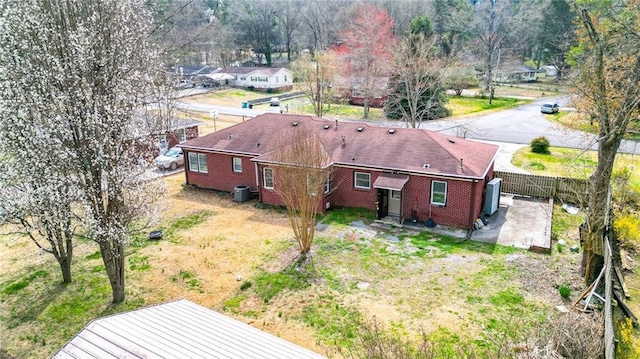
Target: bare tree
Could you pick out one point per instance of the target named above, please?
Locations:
(303, 168)
(495, 29)
(81, 69)
(316, 77)
(416, 87)
(319, 19)
(289, 22)
(256, 25)
(609, 63)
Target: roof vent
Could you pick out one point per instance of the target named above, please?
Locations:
(258, 145)
(452, 141)
(392, 131)
(326, 127)
(425, 166)
(229, 137)
(343, 142)
(294, 124)
(360, 129)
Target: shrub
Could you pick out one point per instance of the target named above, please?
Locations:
(269, 90)
(565, 291)
(250, 87)
(540, 145)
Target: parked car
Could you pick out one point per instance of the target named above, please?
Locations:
(274, 101)
(170, 159)
(185, 84)
(550, 108)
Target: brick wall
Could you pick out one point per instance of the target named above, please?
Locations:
(220, 174)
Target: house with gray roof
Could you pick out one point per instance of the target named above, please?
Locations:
(404, 173)
(260, 78)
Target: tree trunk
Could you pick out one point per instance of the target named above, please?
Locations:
(598, 208)
(113, 257)
(65, 266)
(366, 108)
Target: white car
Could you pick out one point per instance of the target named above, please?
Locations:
(274, 101)
(171, 159)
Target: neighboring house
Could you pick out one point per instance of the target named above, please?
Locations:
(400, 172)
(517, 75)
(260, 78)
(190, 72)
(180, 329)
(155, 138)
(550, 71)
(352, 90)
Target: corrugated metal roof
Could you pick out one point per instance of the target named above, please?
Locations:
(180, 329)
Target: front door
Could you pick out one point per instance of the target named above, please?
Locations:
(394, 203)
(383, 203)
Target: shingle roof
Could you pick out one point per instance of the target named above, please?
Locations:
(365, 145)
(247, 70)
(179, 329)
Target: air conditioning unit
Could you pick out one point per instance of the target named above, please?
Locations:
(327, 205)
(492, 196)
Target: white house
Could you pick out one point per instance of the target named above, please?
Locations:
(260, 78)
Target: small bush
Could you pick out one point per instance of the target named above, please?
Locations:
(245, 285)
(269, 90)
(540, 145)
(565, 291)
(250, 87)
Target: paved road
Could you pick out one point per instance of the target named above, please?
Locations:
(520, 125)
(226, 110)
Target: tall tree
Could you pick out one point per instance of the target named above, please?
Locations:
(450, 19)
(367, 50)
(303, 167)
(556, 35)
(316, 77)
(416, 88)
(495, 29)
(256, 24)
(289, 20)
(94, 68)
(318, 18)
(608, 60)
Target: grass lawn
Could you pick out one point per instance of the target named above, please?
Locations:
(568, 162)
(582, 122)
(461, 292)
(467, 105)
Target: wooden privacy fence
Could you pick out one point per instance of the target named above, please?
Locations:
(572, 190)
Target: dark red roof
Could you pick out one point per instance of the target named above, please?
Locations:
(365, 145)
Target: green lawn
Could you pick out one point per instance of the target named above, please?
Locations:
(575, 163)
(468, 105)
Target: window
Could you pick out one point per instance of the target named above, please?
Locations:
(285, 78)
(439, 193)
(262, 79)
(243, 78)
(327, 184)
(396, 194)
(198, 162)
(182, 135)
(254, 79)
(362, 180)
(237, 164)
(267, 178)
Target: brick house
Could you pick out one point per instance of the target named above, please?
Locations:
(399, 172)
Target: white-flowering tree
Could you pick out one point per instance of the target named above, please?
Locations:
(73, 78)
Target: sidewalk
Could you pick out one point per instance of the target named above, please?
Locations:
(504, 155)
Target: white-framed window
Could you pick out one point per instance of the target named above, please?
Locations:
(396, 194)
(237, 164)
(267, 178)
(198, 162)
(285, 78)
(253, 79)
(263, 79)
(242, 78)
(362, 180)
(438, 193)
(327, 185)
(182, 135)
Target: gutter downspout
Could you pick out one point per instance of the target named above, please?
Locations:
(258, 181)
(472, 209)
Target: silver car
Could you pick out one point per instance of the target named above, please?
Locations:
(550, 108)
(171, 159)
